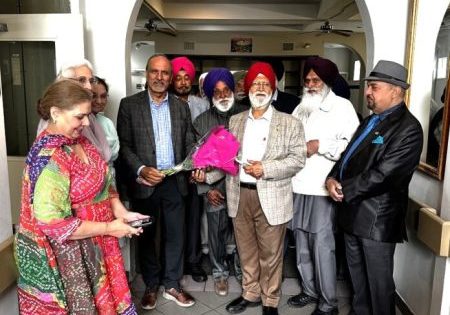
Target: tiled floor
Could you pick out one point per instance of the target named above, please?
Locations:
(208, 303)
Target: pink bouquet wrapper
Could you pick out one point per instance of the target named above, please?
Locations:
(219, 150)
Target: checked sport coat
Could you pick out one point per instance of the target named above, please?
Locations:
(284, 156)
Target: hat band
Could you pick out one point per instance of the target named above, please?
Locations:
(383, 76)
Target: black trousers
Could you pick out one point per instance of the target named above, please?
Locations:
(194, 210)
(371, 266)
(166, 205)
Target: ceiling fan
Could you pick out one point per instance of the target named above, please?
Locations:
(327, 28)
(152, 26)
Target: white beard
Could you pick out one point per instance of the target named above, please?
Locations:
(258, 101)
(310, 102)
(223, 104)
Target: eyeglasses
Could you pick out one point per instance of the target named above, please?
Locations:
(313, 81)
(83, 80)
(222, 93)
(261, 84)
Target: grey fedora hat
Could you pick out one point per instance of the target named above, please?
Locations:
(390, 72)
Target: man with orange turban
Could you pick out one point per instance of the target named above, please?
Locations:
(183, 76)
(259, 197)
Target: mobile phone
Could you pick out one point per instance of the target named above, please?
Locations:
(339, 191)
(241, 162)
(141, 222)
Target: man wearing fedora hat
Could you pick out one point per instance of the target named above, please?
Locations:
(370, 183)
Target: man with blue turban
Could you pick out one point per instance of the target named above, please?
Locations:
(219, 88)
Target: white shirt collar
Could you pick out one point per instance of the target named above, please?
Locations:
(274, 95)
(267, 114)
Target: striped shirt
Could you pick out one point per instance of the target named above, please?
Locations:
(162, 130)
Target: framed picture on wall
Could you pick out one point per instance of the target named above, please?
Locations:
(241, 45)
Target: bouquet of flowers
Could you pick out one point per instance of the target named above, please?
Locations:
(217, 148)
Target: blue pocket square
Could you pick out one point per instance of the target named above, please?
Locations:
(378, 140)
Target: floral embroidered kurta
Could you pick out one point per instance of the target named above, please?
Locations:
(58, 275)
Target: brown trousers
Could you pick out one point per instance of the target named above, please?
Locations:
(260, 247)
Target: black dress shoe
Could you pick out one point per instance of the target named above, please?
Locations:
(239, 305)
(301, 300)
(197, 273)
(268, 310)
(334, 311)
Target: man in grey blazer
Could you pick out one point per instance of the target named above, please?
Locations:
(259, 198)
(155, 132)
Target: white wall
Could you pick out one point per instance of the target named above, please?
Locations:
(341, 56)
(5, 209)
(429, 19)
(8, 300)
(66, 30)
(108, 33)
(385, 25)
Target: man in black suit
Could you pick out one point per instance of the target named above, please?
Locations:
(370, 182)
(155, 132)
(282, 101)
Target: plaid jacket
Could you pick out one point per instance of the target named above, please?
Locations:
(285, 155)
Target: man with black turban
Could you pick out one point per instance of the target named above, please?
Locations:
(329, 123)
(219, 88)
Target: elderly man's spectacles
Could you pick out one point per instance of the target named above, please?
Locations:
(259, 85)
(83, 80)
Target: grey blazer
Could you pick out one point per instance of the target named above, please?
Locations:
(285, 155)
(137, 140)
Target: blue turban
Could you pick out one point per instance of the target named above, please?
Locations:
(215, 75)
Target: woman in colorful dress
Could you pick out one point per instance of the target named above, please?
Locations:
(66, 247)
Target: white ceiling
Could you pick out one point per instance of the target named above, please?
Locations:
(250, 16)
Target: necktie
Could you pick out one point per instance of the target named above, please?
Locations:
(374, 120)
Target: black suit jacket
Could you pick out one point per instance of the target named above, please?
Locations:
(285, 102)
(137, 140)
(376, 179)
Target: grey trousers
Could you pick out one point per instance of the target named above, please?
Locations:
(218, 233)
(317, 266)
(371, 266)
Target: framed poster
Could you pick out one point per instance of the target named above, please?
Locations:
(241, 45)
